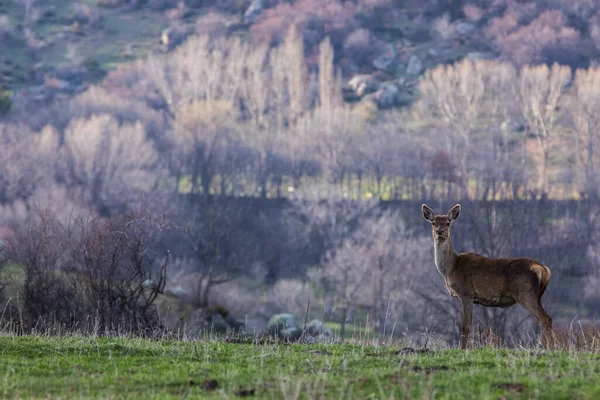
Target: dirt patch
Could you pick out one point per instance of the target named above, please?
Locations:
(393, 378)
(513, 387)
(243, 392)
(210, 384)
(410, 350)
(376, 354)
(430, 370)
(324, 352)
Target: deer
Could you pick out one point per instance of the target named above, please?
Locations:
(490, 282)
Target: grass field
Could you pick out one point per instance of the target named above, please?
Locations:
(76, 367)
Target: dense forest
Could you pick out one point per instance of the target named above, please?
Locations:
(243, 155)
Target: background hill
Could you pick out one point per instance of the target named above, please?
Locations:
(61, 46)
(272, 143)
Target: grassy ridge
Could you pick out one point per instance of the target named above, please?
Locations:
(134, 368)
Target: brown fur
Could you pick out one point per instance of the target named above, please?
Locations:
(491, 282)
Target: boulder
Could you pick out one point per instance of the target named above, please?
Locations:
(234, 324)
(316, 328)
(253, 11)
(216, 322)
(464, 28)
(385, 97)
(387, 59)
(477, 55)
(317, 332)
(363, 84)
(415, 65)
(284, 327)
(173, 36)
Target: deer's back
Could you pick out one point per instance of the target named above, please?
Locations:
(496, 282)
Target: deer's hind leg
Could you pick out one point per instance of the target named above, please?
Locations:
(533, 304)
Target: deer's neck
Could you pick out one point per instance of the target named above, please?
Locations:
(444, 257)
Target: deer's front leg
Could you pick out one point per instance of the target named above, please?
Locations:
(467, 319)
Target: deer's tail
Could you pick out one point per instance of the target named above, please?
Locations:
(544, 280)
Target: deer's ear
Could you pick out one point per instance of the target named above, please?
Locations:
(428, 213)
(454, 213)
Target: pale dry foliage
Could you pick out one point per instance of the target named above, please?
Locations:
(315, 20)
(215, 24)
(453, 95)
(107, 161)
(332, 136)
(584, 112)
(444, 28)
(27, 161)
(526, 44)
(288, 295)
(374, 268)
(473, 13)
(540, 90)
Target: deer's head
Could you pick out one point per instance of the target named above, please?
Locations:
(440, 224)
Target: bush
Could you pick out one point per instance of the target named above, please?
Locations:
(361, 46)
(214, 24)
(315, 19)
(444, 28)
(89, 273)
(7, 30)
(5, 101)
(538, 41)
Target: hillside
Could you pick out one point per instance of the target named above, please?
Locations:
(57, 48)
(173, 122)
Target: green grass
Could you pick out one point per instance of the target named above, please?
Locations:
(75, 367)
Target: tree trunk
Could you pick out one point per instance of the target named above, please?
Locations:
(359, 185)
(343, 323)
(206, 181)
(206, 292)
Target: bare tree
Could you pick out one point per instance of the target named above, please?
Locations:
(330, 83)
(333, 137)
(500, 159)
(89, 269)
(109, 163)
(118, 263)
(452, 96)
(540, 91)
(347, 275)
(393, 254)
(27, 161)
(221, 248)
(202, 132)
(584, 113)
(200, 70)
(330, 218)
(277, 94)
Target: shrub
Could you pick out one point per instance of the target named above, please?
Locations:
(315, 19)
(214, 24)
(444, 28)
(594, 24)
(89, 273)
(361, 46)
(7, 29)
(473, 13)
(530, 43)
(5, 101)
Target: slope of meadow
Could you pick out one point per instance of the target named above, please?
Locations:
(76, 367)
